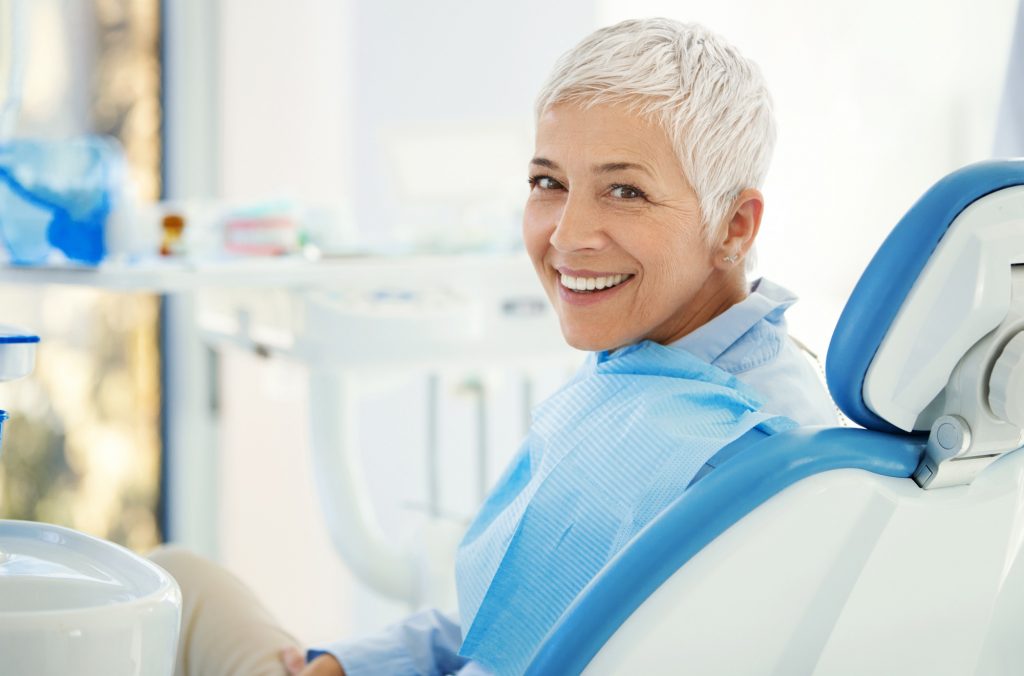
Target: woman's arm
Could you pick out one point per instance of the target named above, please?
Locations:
(424, 643)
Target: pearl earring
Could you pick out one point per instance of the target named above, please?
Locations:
(731, 259)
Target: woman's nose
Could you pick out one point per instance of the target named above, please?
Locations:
(577, 229)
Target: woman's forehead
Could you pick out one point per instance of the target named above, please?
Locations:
(602, 138)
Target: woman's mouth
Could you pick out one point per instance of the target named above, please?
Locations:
(591, 288)
(589, 284)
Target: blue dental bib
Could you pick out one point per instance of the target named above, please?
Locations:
(605, 454)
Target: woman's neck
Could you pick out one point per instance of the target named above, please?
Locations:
(712, 300)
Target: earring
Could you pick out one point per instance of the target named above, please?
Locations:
(731, 259)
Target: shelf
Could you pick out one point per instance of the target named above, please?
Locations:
(173, 276)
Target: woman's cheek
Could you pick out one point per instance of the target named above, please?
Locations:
(539, 221)
(535, 239)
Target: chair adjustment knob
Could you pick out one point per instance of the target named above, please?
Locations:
(1006, 384)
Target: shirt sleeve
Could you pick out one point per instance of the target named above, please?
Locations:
(424, 644)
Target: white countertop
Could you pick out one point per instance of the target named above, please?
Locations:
(176, 275)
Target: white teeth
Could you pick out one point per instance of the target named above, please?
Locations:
(592, 283)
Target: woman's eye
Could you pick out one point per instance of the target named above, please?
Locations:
(626, 192)
(544, 183)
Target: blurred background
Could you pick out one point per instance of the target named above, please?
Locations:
(85, 437)
(404, 128)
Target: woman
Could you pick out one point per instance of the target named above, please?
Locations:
(653, 138)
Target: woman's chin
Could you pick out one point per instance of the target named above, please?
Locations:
(590, 341)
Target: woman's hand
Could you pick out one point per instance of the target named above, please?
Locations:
(324, 665)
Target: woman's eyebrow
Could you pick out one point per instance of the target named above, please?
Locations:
(544, 162)
(606, 168)
(609, 167)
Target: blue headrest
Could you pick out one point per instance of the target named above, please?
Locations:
(891, 274)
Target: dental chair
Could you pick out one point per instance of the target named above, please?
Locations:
(893, 549)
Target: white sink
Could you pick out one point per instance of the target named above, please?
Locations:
(74, 604)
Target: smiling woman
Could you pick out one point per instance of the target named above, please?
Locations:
(653, 139)
(616, 235)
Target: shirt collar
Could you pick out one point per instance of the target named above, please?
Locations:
(766, 300)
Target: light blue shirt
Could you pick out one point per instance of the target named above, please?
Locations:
(749, 341)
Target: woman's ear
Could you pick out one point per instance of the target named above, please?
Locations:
(741, 228)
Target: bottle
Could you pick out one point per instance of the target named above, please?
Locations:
(55, 197)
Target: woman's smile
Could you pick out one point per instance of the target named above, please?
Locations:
(587, 287)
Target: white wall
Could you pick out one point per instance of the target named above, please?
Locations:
(443, 114)
(286, 101)
(410, 120)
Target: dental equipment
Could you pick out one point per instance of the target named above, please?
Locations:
(75, 604)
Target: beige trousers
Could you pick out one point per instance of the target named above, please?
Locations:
(225, 630)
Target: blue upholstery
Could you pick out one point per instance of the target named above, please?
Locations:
(891, 274)
(702, 513)
(725, 454)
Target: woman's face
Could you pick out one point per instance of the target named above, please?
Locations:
(613, 229)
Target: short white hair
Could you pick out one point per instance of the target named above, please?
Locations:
(712, 101)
